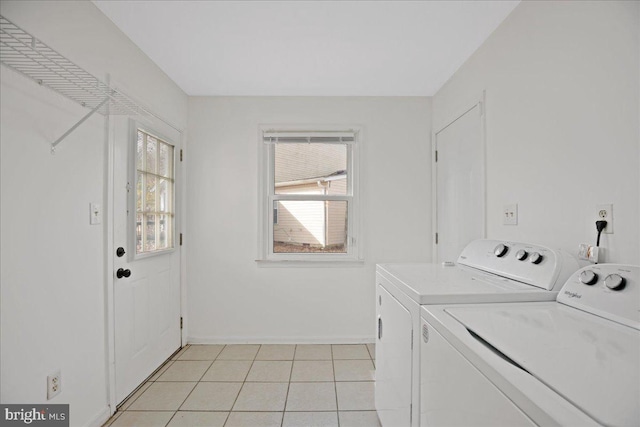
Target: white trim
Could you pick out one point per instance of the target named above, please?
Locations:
(181, 227)
(265, 255)
(316, 263)
(311, 197)
(100, 418)
(481, 103)
(110, 326)
(358, 339)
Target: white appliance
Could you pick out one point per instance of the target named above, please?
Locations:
(574, 362)
(486, 271)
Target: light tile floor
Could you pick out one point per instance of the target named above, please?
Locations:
(328, 385)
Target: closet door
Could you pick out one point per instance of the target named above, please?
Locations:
(460, 184)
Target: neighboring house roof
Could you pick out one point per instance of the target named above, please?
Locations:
(341, 174)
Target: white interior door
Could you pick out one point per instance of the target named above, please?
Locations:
(146, 282)
(460, 188)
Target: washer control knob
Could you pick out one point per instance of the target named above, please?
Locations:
(588, 277)
(500, 250)
(521, 255)
(535, 258)
(615, 282)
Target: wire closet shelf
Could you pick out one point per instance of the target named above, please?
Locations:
(29, 56)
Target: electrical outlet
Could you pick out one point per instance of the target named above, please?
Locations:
(54, 384)
(605, 212)
(510, 214)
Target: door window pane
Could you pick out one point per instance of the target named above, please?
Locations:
(150, 196)
(150, 233)
(163, 238)
(164, 199)
(139, 247)
(165, 160)
(152, 154)
(140, 150)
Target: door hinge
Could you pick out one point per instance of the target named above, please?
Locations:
(436, 156)
(181, 322)
(181, 154)
(410, 413)
(436, 239)
(180, 239)
(412, 339)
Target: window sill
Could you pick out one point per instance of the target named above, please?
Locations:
(268, 263)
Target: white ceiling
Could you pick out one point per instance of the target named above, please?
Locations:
(314, 48)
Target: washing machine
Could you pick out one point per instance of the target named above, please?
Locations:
(570, 362)
(487, 271)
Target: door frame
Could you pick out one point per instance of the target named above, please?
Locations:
(480, 102)
(108, 218)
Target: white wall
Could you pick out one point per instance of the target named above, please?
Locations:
(53, 262)
(562, 122)
(230, 297)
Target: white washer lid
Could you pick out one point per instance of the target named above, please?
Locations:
(437, 284)
(591, 362)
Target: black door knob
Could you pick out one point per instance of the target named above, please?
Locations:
(120, 252)
(123, 273)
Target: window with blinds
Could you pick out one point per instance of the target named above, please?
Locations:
(309, 198)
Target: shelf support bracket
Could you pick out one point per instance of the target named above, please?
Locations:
(74, 127)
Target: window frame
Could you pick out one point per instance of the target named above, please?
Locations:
(267, 197)
(134, 127)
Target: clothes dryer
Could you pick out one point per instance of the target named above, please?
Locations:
(571, 362)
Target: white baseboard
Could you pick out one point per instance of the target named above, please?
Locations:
(281, 340)
(101, 418)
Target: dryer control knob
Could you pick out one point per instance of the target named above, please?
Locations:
(500, 250)
(536, 258)
(521, 255)
(588, 277)
(615, 282)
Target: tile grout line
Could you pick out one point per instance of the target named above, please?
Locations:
(168, 362)
(335, 385)
(198, 382)
(242, 386)
(194, 387)
(286, 399)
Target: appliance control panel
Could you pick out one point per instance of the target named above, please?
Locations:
(611, 291)
(525, 262)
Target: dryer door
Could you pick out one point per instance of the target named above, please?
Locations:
(393, 361)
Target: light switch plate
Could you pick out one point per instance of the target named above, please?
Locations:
(510, 214)
(95, 212)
